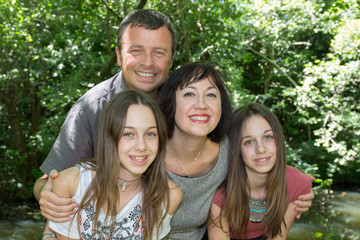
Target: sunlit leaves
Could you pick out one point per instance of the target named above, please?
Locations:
(329, 96)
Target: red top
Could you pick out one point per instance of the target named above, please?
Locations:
(298, 184)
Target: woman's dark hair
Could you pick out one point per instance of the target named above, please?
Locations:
(181, 78)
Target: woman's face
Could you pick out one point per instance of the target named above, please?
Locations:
(198, 108)
(138, 143)
(258, 146)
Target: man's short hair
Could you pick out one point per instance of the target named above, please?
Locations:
(148, 19)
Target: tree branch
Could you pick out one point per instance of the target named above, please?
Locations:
(105, 70)
(274, 63)
(112, 11)
(141, 4)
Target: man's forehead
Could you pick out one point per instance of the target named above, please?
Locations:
(160, 37)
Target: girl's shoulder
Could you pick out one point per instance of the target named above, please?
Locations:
(294, 173)
(66, 184)
(298, 183)
(175, 196)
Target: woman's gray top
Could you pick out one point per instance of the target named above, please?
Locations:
(190, 219)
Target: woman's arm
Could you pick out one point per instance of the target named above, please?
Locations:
(215, 232)
(175, 196)
(289, 217)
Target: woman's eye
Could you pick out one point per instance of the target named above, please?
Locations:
(188, 94)
(212, 95)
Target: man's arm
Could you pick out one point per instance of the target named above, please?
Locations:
(53, 207)
(304, 202)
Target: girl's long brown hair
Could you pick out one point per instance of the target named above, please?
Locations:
(104, 188)
(236, 202)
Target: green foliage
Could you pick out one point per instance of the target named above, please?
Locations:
(328, 98)
(331, 235)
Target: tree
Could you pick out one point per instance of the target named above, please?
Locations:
(328, 100)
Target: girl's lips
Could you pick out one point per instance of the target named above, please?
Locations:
(200, 118)
(139, 160)
(262, 161)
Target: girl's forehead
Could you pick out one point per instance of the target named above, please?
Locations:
(255, 124)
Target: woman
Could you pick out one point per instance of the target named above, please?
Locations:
(123, 193)
(198, 114)
(257, 199)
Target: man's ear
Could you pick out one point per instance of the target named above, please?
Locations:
(172, 59)
(118, 56)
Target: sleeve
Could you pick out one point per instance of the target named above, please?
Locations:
(219, 197)
(298, 183)
(164, 228)
(67, 229)
(74, 143)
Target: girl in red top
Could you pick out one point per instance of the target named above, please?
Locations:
(256, 200)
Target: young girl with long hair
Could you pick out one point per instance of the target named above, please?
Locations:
(256, 200)
(123, 193)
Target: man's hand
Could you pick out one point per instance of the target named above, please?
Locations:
(303, 203)
(53, 207)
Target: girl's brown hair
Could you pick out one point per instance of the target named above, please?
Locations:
(236, 201)
(104, 188)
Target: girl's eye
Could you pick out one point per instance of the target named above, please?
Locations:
(128, 134)
(268, 137)
(248, 142)
(151, 134)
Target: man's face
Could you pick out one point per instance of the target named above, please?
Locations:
(145, 57)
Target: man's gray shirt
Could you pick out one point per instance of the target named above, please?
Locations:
(78, 136)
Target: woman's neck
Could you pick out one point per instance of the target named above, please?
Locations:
(186, 148)
(190, 156)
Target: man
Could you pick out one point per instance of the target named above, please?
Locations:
(145, 51)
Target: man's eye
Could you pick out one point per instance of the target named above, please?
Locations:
(159, 53)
